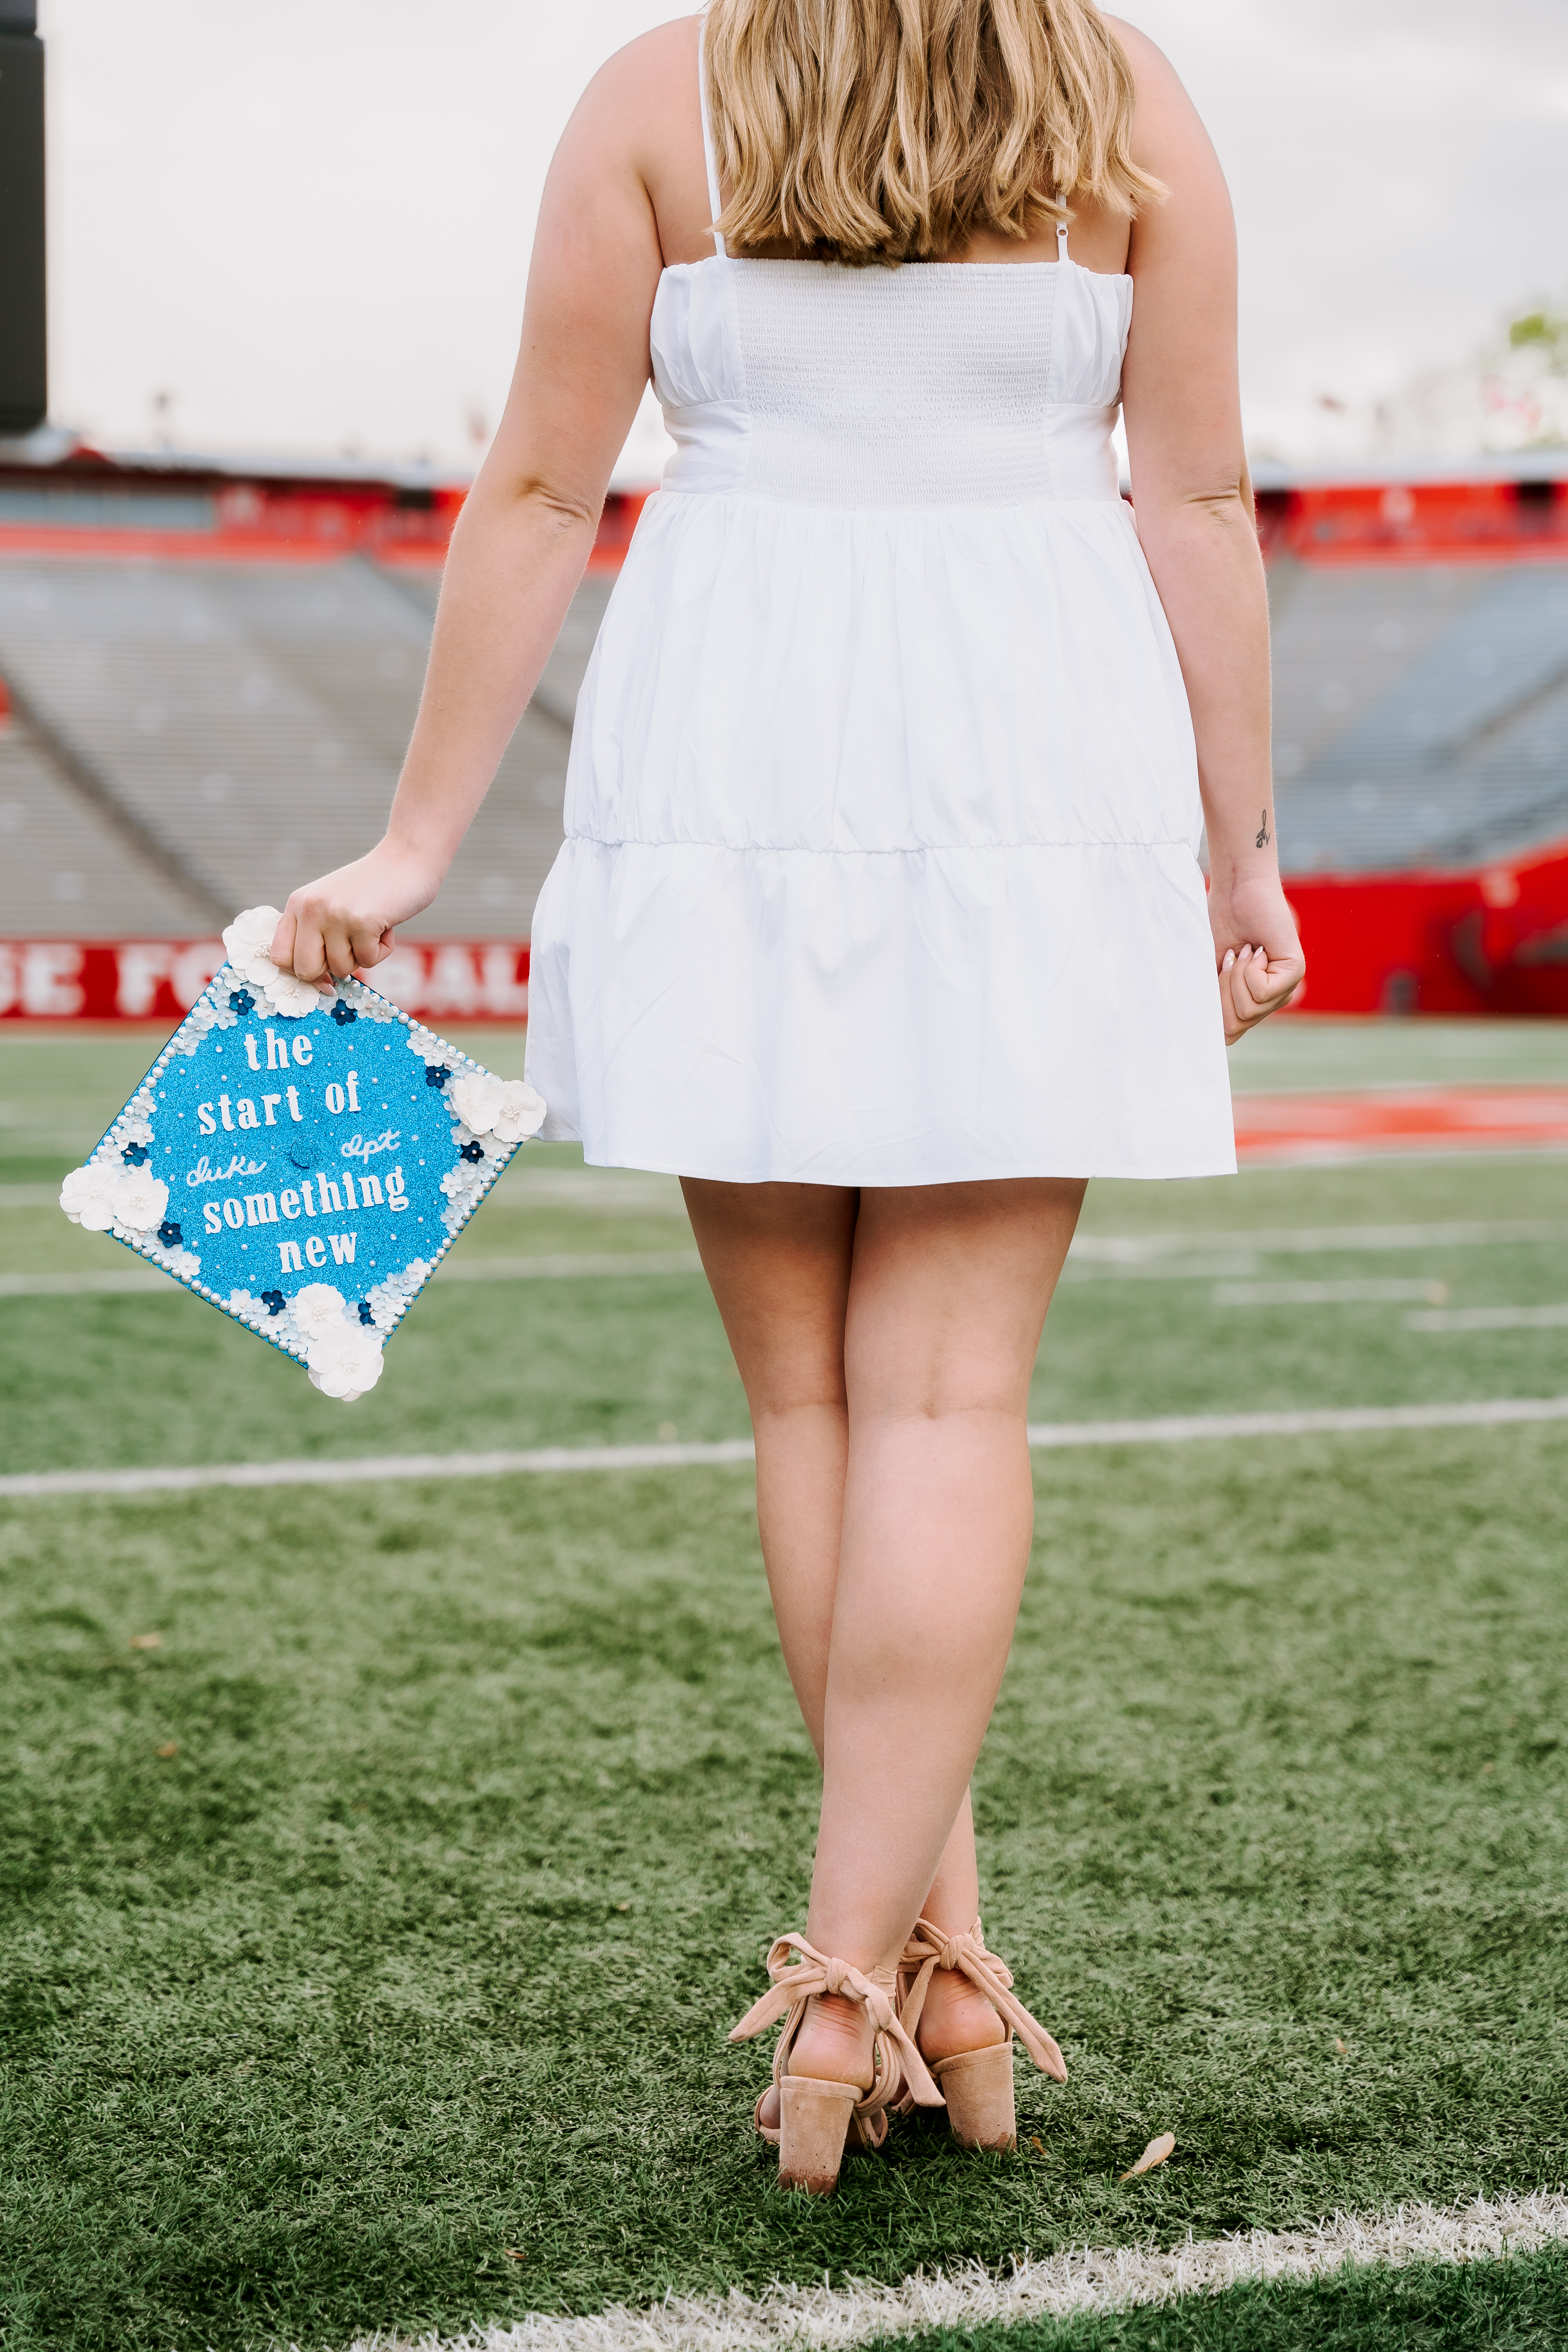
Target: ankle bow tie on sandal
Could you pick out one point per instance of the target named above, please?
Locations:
(977, 2085)
(815, 2117)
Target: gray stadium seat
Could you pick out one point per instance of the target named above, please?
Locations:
(251, 718)
(244, 723)
(1421, 713)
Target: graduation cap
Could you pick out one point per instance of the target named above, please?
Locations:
(303, 1161)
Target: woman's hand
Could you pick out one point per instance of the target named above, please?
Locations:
(1257, 952)
(349, 919)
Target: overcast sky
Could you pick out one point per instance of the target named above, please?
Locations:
(308, 221)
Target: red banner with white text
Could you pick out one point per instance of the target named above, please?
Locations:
(160, 980)
(1493, 941)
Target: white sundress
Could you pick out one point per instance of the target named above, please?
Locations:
(882, 815)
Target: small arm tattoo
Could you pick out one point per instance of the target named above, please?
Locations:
(1262, 841)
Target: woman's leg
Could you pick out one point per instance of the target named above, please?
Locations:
(948, 1293)
(780, 1258)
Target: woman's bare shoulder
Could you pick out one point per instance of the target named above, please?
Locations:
(1165, 122)
(644, 77)
(640, 112)
(1149, 62)
(637, 128)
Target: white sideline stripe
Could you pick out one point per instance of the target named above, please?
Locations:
(1090, 2279)
(1046, 1436)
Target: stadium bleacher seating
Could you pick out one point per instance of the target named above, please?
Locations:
(1421, 712)
(201, 719)
(242, 725)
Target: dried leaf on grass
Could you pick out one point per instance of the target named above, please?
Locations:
(170, 1748)
(146, 1640)
(1036, 2142)
(1155, 2153)
(514, 2254)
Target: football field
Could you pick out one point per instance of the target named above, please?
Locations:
(383, 1857)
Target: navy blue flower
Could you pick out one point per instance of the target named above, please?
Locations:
(242, 1000)
(169, 1234)
(342, 1014)
(436, 1074)
(273, 1300)
(365, 1316)
(134, 1154)
(474, 1151)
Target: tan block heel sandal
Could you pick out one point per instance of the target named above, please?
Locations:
(817, 2119)
(977, 2085)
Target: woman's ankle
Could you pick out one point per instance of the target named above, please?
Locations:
(835, 2041)
(956, 2018)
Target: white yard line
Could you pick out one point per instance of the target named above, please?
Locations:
(606, 1264)
(542, 1269)
(1136, 1249)
(1328, 1294)
(1093, 2279)
(1044, 1437)
(1161, 1254)
(83, 1286)
(1490, 1318)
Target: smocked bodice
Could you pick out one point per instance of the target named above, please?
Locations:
(933, 385)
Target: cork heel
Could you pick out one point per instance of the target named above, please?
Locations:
(978, 2088)
(977, 2085)
(815, 2122)
(816, 2118)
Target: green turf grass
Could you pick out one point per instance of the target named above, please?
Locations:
(1517, 2305)
(304, 2024)
(597, 1360)
(486, 1799)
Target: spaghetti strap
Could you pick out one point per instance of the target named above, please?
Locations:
(708, 155)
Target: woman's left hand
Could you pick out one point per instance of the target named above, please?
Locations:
(1257, 952)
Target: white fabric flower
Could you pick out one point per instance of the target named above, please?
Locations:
(140, 1200)
(427, 1045)
(248, 938)
(134, 1128)
(86, 1196)
(507, 1108)
(521, 1112)
(318, 1309)
(286, 995)
(476, 1100)
(345, 1361)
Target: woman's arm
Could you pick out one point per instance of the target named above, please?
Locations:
(523, 537)
(1193, 500)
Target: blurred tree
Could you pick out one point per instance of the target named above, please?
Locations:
(1544, 334)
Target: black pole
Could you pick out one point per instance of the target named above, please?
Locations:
(23, 358)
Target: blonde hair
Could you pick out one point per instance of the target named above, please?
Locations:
(888, 131)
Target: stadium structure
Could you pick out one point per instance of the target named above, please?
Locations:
(208, 673)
